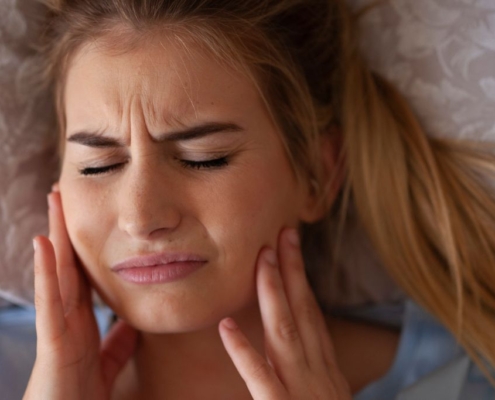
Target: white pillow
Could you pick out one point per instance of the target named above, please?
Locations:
(27, 150)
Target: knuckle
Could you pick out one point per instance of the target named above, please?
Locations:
(38, 301)
(241, 346)
(261, 371)
(44, 301)
(287, 330)
(321, 388)
(52, 347)
(309, 313)
(38, 270)
(70, 303)
(273, 283)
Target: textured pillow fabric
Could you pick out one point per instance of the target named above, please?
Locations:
(441, 55)
(27, 149)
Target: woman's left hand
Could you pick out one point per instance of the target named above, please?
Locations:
(300, 360)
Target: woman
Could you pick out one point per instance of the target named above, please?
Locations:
(196, 137)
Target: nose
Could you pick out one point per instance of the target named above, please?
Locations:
(147, 205)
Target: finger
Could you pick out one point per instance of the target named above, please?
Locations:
(328, 349)
(282, 338)
(310, 320)
(50, 321)
(117, 347)
(259, 376)
(70, 279)
(55, 187)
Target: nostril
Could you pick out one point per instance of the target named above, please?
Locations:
(147, 200)
(142, 224)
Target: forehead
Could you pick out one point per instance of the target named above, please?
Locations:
(170, 79)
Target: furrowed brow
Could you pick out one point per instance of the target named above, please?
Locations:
(98, 140)
(199, 131)
(93, 139)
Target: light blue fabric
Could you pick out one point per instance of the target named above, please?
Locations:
(426, 360)
(18, 347)
(17, 351)
(444, 383)
(429, 363)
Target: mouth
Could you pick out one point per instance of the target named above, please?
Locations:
(158, 268)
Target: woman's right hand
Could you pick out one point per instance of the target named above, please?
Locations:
(70, 363)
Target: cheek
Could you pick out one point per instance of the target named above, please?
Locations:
(251, 211)
(86, 219)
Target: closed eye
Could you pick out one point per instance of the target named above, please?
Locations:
(215, 163)
(206, 164)
(99, 170)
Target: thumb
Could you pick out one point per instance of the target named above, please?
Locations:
(117, 347)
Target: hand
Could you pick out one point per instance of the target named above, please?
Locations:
(69, 361)
(301, 362)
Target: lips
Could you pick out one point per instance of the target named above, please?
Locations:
(158, 268)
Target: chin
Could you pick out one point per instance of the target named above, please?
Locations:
(161, 315)
(165, 322)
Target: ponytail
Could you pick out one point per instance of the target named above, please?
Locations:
(427, 206)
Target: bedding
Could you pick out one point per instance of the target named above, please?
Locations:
(27, 149)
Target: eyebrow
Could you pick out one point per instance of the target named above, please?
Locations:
(96, 139)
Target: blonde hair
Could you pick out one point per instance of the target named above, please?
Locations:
(426, 204)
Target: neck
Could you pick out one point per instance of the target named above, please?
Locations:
(193, 365)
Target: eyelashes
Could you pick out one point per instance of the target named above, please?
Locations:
(215, 163)
(99, 170)
(189, 164)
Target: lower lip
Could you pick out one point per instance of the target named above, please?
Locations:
(159, 273)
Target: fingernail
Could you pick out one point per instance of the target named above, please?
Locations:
(229, 323)
(35, 245)
(270, 256)
(293, 237)
(55, 187)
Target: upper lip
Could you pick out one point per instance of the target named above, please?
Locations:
(156, 259)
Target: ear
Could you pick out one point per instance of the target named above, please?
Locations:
(318, 202)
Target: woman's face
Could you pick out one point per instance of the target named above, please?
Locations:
(135, 112)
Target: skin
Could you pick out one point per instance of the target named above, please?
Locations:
(151, 202)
